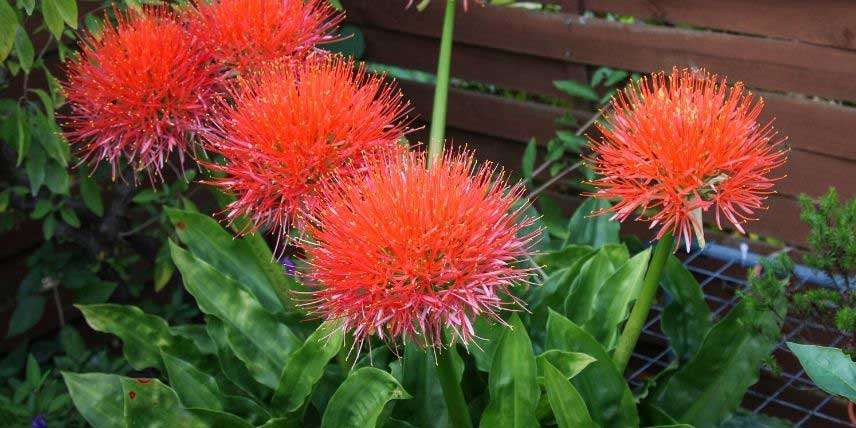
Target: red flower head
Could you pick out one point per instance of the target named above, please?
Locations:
(403, 251)
(289, 128)
(138, 91)
(246, 34)
(676, 146)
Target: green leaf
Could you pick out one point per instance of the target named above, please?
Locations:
(576, 89)
(98, 397)
(164, 268)
(72, 343)
(306, 366)
(602, 387)
(56, 178)
(255, 333)
(33, 372)
(829, 368)
(512, 383)
(8, 28)
(35, 167)
(68, 11)
(28, 311)
(150, 403)
(586, 229)
(579, 303)
(230, 364)
(686, 319)
(23, 48)
(53, 18)
(361, 398)
(240, 259)
(613, 297)
(711, 385)
(69, 216)
(490, 331)
(427, 408)
(91, 194)
(569, 364)
(616, 77)
(194, 387)
(49, 227)
(528, 164)
(29, 6)
(145, 196)
(567, 404)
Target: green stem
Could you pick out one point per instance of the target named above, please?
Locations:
(441, 90)
(452, 393)
(639, 314)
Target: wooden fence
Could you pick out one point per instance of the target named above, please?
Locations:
(801, 57)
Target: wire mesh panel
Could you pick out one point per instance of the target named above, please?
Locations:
(785, 392)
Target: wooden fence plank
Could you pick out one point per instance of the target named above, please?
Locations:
(814, 126)
(500, 117)
(764, 63)
(826, 22)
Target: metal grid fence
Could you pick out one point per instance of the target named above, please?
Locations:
(787, 394)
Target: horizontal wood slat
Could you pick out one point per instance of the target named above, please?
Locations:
(765, 63)
(824, 22)
(814, 126)
(500, 117)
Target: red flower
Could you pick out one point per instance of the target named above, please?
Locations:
(403, 251)
(138, 91)
(288, 129)
(246, 34)
(676, 146)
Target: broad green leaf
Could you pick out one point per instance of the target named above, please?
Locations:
(91, 195)
(69, 216)
(28, 311)
(528, 164)
(609, 400)
(23, 48)
(8, 27)
(567, 404)
(711, 385)
(163, 269)
(568, 363)
(576, 89)
(686, 319)
(292, 422)
(613, 299)
(361, 398)
(585, 228)
(488, 333)
(579, 303)
(35, 167)
(98, 398)
(240, 259)
(427, 408)
(142, 334)
(68, 11)
(250, 329)
(56, 178)
(230, 364)
(512, 383)
(150, 403)
(306, 367)
(194, 388)
(829, 368)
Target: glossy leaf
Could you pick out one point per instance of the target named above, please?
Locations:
(142, 335)
(829, 368)
(528, 164)
(686, 318)
(585, 228)
(255, 335)
(576, 89)
(512, 383)
(361, 398)
(8, 25)
(163, 268)
(579, 303)
(233, 368)
(194, 388)
(23, 47)
(235, 258)
(602, 387)
(150, 403)
(98, 397)
(28, 311)
(613, 299)
(91, 195)
(427, 408)
(569, 364)
(567, 404)
(306, 367)
(711, 385)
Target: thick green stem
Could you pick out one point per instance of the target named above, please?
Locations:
(441, 91)
(639, 314)
(459, 415)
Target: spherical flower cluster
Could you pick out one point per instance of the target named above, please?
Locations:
(676, 146)
(246, 34)
(139, 90)
(289, 129)
(403, 251)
